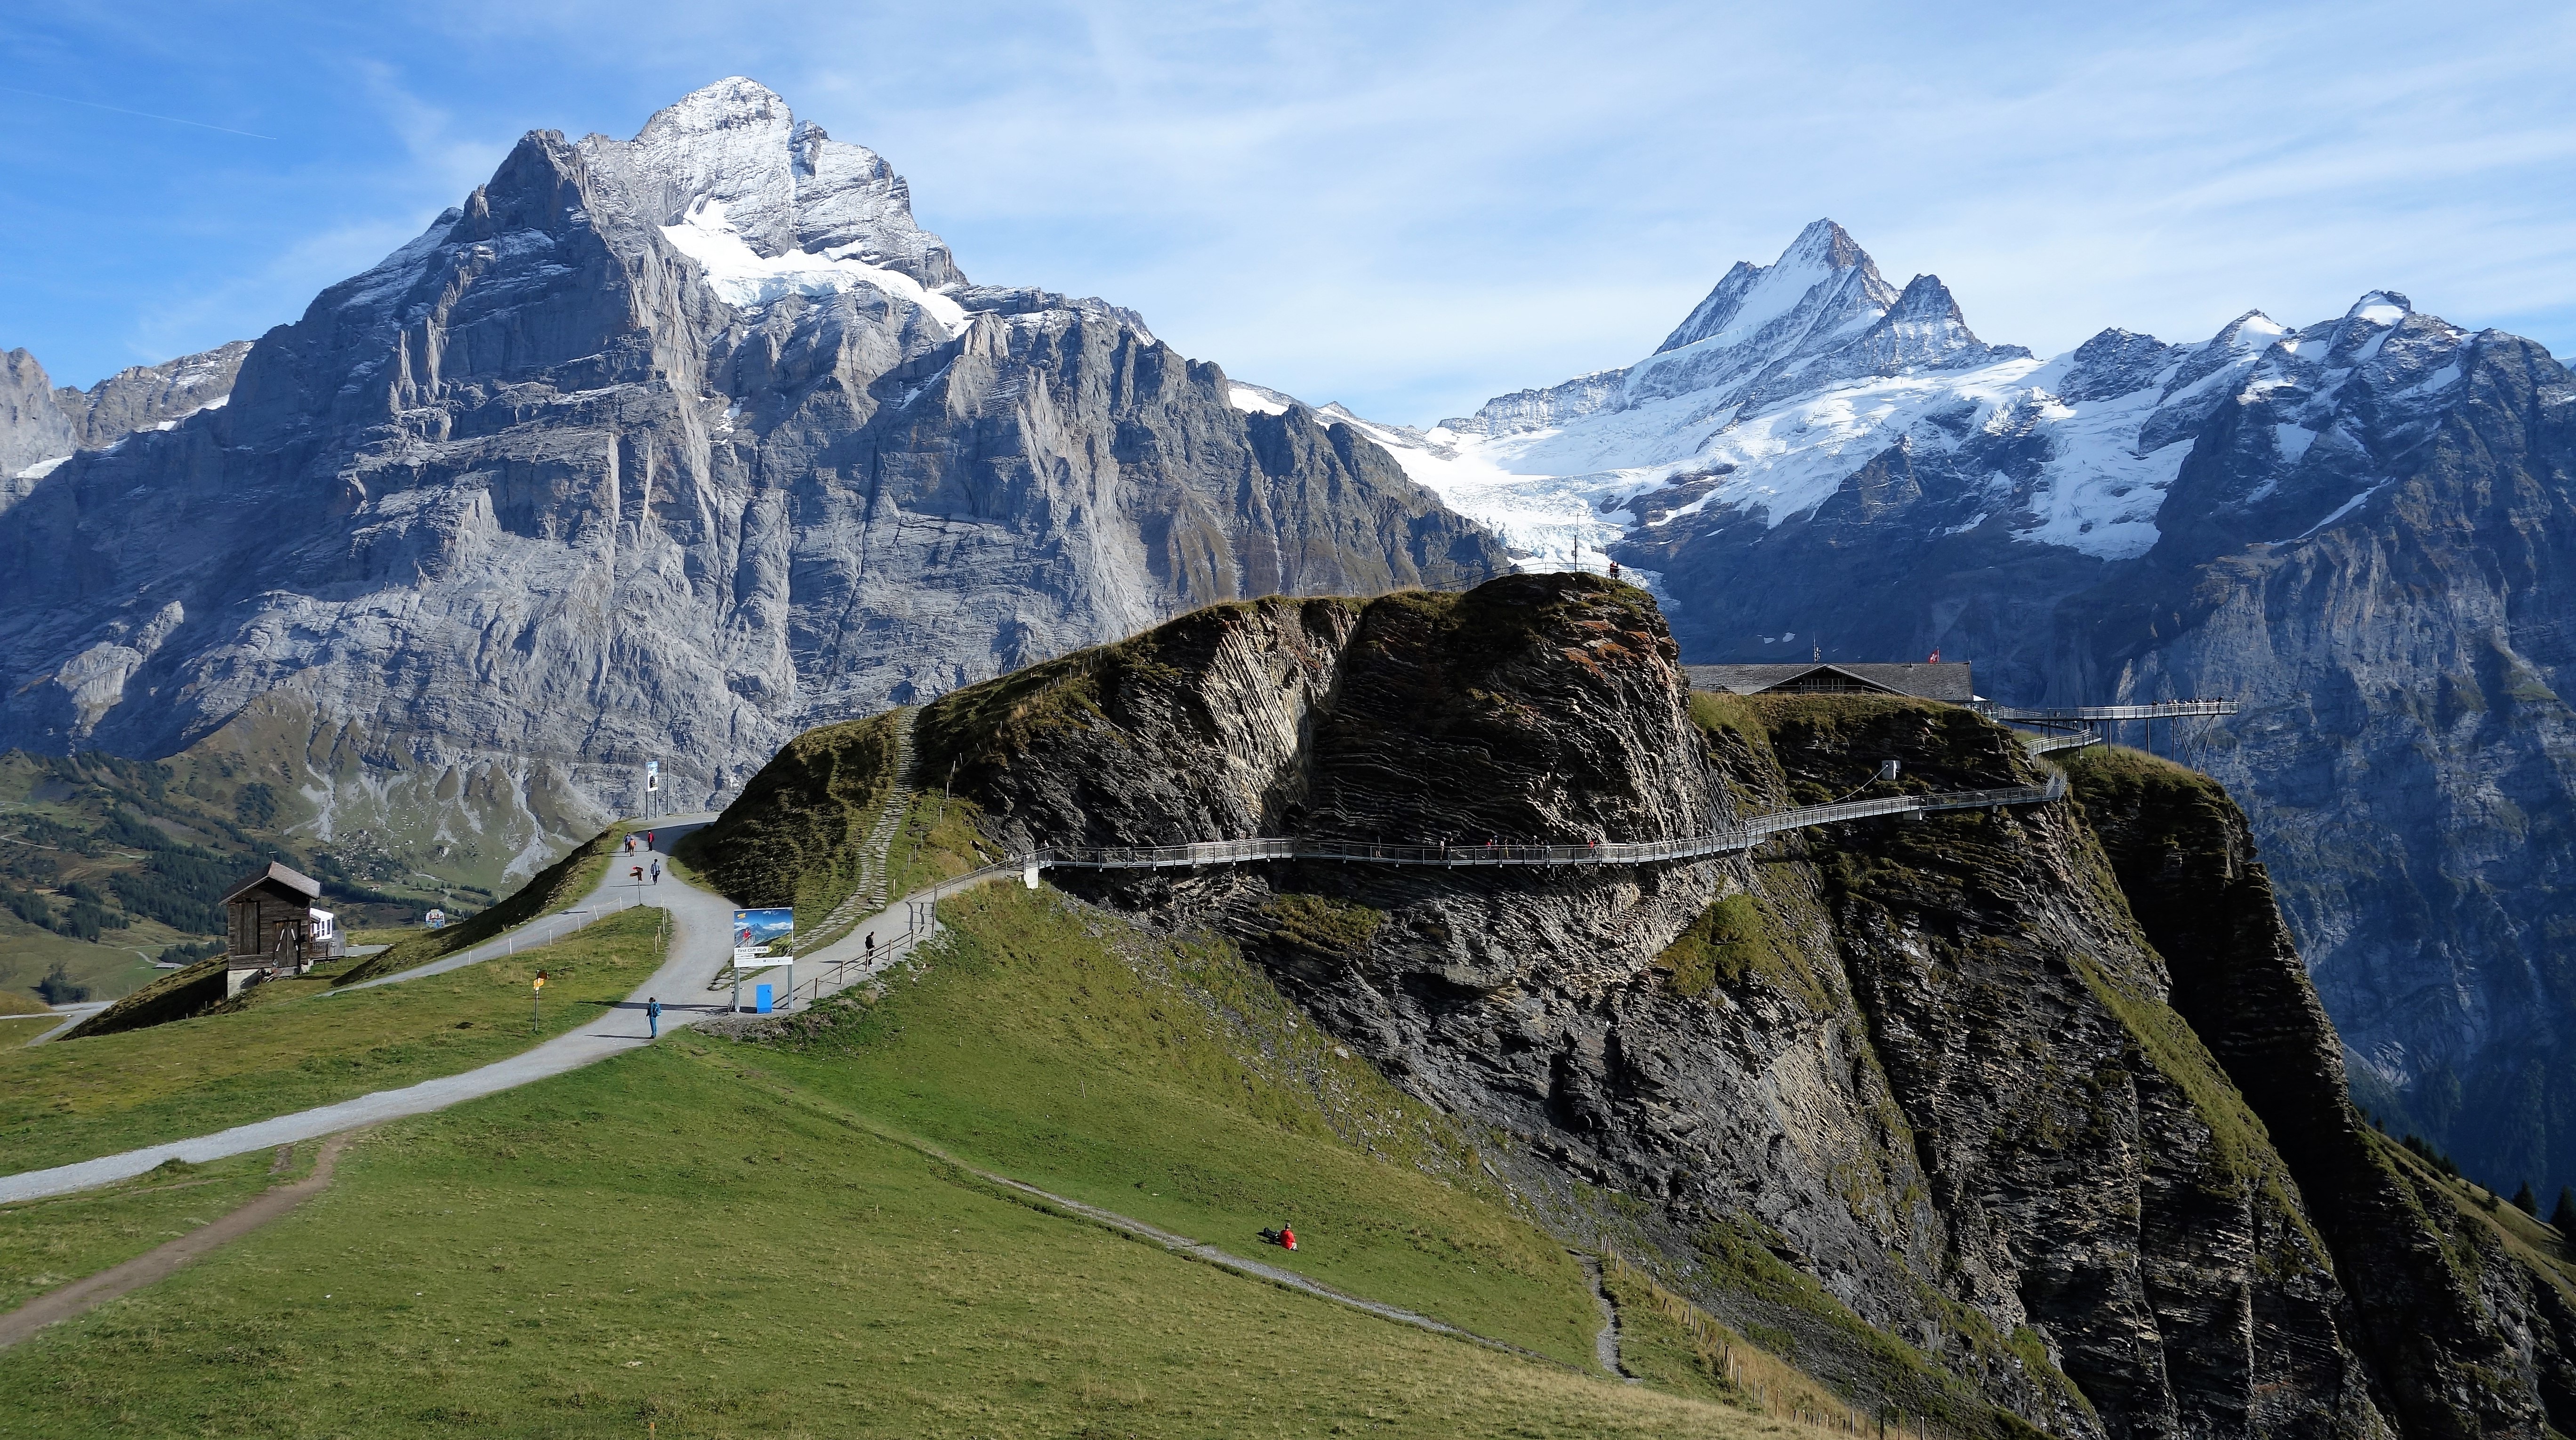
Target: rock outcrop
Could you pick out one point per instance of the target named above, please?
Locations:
(2465, 1337)
(659, 448)
(2357, 527)
(33, 428)
(2016, 1118)
(42, 425)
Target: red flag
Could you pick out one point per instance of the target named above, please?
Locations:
(1935, 660)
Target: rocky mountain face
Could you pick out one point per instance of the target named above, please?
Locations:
(2356, 527)
(659, 448)
(2016, 1118)
(42, 425)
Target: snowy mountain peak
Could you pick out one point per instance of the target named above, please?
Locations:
(1820, 313)
(2248, 333)
(1925, 300)
(1751, 297)
(784, 187)
(2115, 362)
(1824, 243)
(2381, 307)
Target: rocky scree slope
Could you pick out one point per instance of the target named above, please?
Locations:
(665, 447)
(1930, 1105)
(2358, 528)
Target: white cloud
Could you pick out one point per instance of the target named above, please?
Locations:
(1412, 208)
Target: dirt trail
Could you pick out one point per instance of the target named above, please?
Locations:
(1605, 1346)
(82, 1296)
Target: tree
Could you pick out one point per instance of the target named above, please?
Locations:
(58, 988)
(2526, 1202)
(2564, 1217)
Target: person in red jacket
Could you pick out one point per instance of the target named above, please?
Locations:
(1287, 1238)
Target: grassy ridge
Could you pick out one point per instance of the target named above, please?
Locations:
(174, 996)
(75, 1099)
(792, 836)
(552, 888)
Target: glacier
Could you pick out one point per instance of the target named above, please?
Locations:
(1789, 378)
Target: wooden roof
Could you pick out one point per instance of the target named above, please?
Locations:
(1948, 681)
(275, 874)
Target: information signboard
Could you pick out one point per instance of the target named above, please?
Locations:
(757, 932)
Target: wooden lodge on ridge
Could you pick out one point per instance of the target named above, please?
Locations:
(274, 928)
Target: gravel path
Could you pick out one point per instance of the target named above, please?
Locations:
(613, 893)
(72, 1015)
(1605, 1346)
(702, 936)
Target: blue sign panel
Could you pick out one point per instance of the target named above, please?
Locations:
(760, 999)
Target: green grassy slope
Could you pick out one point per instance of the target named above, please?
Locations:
(1171, 1082)
(48, 1243)
(299, 1046)
(731, 1237)
(677, 1237)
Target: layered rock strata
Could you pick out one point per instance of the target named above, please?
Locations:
(1932, 1105)
(657, 449)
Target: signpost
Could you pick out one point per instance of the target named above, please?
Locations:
(536, 997)
(755, 934)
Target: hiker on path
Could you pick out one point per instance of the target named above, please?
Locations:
(653, 1014)
(872, 947)
(648, 841)
(657, 871)
(630, 844)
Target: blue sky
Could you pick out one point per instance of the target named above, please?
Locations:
(1405, 208)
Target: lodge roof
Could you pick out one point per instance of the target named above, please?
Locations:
(276, 874)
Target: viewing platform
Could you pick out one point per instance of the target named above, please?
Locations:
(1726, 840)
(2098, 714)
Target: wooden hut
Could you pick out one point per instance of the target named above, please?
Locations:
(273, 929)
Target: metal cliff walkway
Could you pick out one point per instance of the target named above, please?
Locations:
(2065, 727)
(2095, 714)
(1717, 842)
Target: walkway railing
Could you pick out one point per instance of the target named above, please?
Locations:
(2067, 740)
(1452, 856)
(921, 905)
(922, 923)
(2087, 714)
